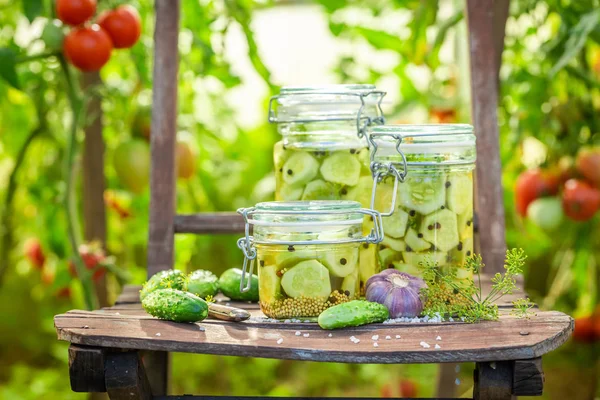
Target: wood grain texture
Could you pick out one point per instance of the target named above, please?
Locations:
(211, 223)
(94, 211)
(501, 12)
(125, 377)
(162, 136)
(86, 369)
(484, 88)
(528, 377)
(191, 397)
(157, 365)
(493, 381)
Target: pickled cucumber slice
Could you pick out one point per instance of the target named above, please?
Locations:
(321, 190)
(289, 192)
(350, 284)
(414, 242)
(465, 224)
(408, 268)
(423, 193)
(388, 256)
(280, 155)
(459, 195)
(308, 279)
(394, 244)
(420, 259)
(287, 259)
(463, 250)
(341, 168)
(441, 229)
(300, 168)
(269, 284)
(340, 262)
(361, 192)
(364, 158)
(395, 224)
(367, 265)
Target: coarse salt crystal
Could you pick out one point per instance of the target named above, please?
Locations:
(287, 321)
(375, 337)
(388, 337)
(425, 345)
(202, 329)
(306, 335)
(226, 304)
(298, 333)
(352, 338)
(438, 338)
(437, 346)
(330, 335)
(158, 334)
(307, 320)
(118, 313)
(280, 341)
(398, 336)
(375, 344)
(457, 381)
(357, 341)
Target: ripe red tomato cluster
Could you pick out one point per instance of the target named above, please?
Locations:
(587, 329)
(89, 46)
(92, 256)
(573, 186)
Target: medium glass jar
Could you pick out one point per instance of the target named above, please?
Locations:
(323, 154)
(432, 208)
(307, 254)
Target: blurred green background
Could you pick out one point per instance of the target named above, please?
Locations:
(235, 54)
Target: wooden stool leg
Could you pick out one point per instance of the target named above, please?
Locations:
(157, 364)
(493, 381)
(125, 377)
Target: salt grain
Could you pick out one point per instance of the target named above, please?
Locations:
(330, 335)
(202, 329)
(280, 341)
(306, 335)
(437, 346)
(438, 338)
(298, 333)
(117, 313)
(357, 341)
(388, 337)
(375, 344)
(375, 337)
(158, 334)
(457, 381)
(398, 336)
(425, 345)
(287, 321)
(307, 320)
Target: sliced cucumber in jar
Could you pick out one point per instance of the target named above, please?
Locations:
(441, 229)
(367, 265)
(280, 155)
(300, 168)
(307, 279)
(415, 242)
(340, 262)
(465, 224)
(463, 250)
(423, 193)
(388, 256)
(289, 192)
(421, 259)
(395, 224)
(350, 284)
(408, 268)
(321, 190)
(269, 284)
(342, 168)
(293, 255)
(394, 244)
(459, 193)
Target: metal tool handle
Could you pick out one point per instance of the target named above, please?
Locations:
(227, 313)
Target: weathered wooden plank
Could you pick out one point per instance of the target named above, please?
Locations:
(484, 88)
(493, 381)
(125, 377)
(528, 377)
(209, 223)
(191, 397)
(86, 369)
(486, 341)
(158, 377)
(162, 136)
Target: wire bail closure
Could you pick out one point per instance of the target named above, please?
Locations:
(247, 243)
(380, 170)
(361, 127)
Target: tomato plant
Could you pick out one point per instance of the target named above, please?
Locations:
(34, 252)
(580, 200)
(546, 212)
(131, 161)
(140, 126)
(186, 160)
(588, 165)
(88, 48)
(532, 185)
(75, 12)
(123, 25)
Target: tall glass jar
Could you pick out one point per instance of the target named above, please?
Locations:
(306, 252)
(432, 208)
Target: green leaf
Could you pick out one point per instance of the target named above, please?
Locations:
(577, 39)
(380, 39)
(8, 71)
(33, 9)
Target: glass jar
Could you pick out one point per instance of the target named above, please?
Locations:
(429, 216)
(307, 254)
(323, 154)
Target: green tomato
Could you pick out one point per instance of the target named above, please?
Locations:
(53, 35)
(132, 164)
(546, 212)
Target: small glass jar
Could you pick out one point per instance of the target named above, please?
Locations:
(429, 216)
(323, 154)
(307, 254)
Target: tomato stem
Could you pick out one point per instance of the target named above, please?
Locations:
(39, 56)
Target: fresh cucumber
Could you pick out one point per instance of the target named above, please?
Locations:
(352, 313)
(307, 279)
(423, 193)
(459, 195)
(202, 283)
(175, 305)
(170, 279)
(229, 283)
(441, 229)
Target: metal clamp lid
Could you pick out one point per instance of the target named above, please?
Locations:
(246, 243)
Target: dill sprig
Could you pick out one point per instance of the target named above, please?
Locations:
(447, 296)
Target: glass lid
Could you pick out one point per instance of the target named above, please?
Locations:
(301, 213)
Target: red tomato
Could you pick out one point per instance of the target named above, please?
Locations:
(580, 201)
(111, 202)
(88, 48)
(34, 253)
(123, 25)
(64, 293)
(584, 331)
(588, 165)
(386, 391)
(442, 115)
(408, 388)
(75, 12)
(91, 256)
(532, 185)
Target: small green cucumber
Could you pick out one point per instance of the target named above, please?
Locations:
(353, 313)
(229, 283)
(170, 279)
(175, 305)
(202, 283)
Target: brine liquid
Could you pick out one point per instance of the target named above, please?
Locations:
(304, 280)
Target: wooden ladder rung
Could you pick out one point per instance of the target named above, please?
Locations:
(209, 223)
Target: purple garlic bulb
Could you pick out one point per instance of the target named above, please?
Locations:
(398, 291)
